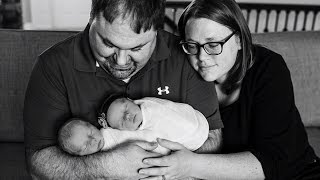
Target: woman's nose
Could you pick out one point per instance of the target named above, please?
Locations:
(203, 55)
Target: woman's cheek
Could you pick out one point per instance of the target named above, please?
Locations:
(193, 61)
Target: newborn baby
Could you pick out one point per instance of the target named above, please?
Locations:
(79, 137)
(145, 119)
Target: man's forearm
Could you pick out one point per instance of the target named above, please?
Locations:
(53, 163)
(213, 144)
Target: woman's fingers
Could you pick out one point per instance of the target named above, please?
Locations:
(148, 146)
(157, 161)
(154, 171)
(153, 178)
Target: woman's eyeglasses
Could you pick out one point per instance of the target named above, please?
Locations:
(211, 48)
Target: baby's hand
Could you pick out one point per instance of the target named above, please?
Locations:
(102, 121)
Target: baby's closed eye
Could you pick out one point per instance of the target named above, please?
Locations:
(83, 148)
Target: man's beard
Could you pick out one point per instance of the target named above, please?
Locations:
(116, 71)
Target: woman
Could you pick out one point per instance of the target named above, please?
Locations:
(263, 135)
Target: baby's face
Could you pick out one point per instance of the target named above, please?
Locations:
(123, 114)
(86, 138)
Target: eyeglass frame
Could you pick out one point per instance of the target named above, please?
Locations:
(221, 43)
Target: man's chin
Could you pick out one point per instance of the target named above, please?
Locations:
(120, 73)
(122, 76)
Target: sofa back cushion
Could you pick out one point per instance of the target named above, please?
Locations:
(18, 52)
(19, 49)
(301, 51)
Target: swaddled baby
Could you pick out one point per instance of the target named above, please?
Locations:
(145, 119)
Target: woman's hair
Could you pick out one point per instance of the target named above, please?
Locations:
(229, 14)
(145, 14)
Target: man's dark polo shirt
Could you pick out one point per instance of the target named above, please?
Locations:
(66, 83)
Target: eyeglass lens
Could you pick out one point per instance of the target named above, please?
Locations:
(211, 48)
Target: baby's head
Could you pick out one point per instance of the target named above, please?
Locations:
(122, 113)
(79, 137)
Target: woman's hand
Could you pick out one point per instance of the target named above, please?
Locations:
(177, 165)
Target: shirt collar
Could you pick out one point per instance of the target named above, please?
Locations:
(83, 57)
(161, 50)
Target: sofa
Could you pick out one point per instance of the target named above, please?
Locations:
(19, 49)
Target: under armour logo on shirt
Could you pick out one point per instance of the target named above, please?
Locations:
(165, 90)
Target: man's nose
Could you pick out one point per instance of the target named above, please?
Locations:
(121, 57)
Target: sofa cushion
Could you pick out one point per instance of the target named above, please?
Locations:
(12, 161)
(18, 51)
(301, 52)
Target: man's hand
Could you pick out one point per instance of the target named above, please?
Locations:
(177, 165)
(127, 159)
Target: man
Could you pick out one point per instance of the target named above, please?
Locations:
(122, 50)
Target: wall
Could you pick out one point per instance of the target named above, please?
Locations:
(74, 14)
(58, 14)
(277, 1)
(26, 13)
(272, 17)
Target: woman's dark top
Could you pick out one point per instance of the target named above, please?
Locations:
(266, 122)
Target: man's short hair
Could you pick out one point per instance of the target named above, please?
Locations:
(145, 14)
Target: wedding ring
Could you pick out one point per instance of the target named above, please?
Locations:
(163, 177)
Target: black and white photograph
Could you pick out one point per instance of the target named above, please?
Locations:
(159, 89)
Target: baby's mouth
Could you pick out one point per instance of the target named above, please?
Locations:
(134, 121)
(139, 125)
(100, 145)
